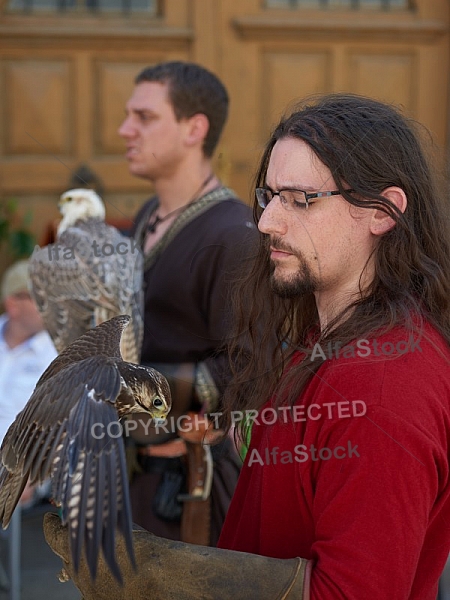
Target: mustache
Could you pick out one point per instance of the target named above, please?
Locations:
(278, 244)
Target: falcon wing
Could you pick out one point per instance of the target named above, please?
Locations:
(103, 340)
(65, 432)
(130, 287)
(65, 287)
(122, 276)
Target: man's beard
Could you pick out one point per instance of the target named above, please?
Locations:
(301, 283)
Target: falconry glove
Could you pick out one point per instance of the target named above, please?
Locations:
(168, 570)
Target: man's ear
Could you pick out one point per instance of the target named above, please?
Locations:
(197, 130)
(381, 222)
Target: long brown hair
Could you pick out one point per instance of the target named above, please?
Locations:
(368, 146)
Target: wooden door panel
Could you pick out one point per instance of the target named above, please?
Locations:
(274, 56)
(389, 76)
(114, 81)
(38, 110)
(289, 76)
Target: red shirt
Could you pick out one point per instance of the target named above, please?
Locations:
(358, 478)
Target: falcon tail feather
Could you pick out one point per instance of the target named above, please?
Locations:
(94, 504)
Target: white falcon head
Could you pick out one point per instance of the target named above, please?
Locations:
(79, 204)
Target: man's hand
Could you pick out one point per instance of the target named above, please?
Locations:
(168, 570)
(197, 429)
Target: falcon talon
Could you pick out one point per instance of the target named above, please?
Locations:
(63, 576)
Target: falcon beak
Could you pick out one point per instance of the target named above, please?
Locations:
(64, 200)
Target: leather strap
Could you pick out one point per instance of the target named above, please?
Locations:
(196, 518)
(194, 210)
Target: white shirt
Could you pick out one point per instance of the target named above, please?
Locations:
(20, 369)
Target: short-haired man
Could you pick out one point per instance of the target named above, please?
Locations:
(194, 232)
(345, 491)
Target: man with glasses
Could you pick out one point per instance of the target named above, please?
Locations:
(345, 489)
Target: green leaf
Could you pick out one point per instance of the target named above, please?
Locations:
(22, 243)
(15, 229)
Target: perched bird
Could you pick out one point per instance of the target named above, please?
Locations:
(69, 431)
(89, 275)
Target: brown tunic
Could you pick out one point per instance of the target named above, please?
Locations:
(188, 275)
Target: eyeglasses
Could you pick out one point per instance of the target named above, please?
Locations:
(291, 199)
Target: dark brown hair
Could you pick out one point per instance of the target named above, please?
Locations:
(368, 146)
(193, 90)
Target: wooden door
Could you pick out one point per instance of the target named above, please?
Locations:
(276, 55)
(67, 68)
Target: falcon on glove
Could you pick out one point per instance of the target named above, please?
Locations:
(68, 431)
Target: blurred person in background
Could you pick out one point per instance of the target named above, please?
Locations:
(194, 233)
(26, 349)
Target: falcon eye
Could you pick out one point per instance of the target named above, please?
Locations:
(157, 402)
(69, 198)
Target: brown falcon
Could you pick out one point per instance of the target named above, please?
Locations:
(89, 275)
(69, 430)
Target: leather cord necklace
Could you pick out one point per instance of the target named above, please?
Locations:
(151, 227)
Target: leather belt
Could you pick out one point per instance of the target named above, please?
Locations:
(200, 472)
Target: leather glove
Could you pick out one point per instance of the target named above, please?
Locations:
(168, 570)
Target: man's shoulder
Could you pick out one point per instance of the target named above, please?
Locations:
(416, 345)
(3, 321)
(405, 372)
(43, 345)
(226, 216)
(226, 212)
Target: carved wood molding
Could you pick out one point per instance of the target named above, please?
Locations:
(80, 29)
(299, 27)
